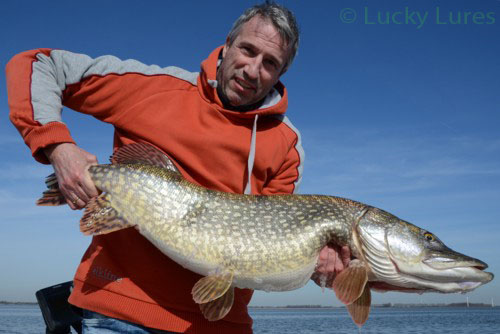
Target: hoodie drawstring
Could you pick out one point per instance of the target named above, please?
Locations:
(251, 157)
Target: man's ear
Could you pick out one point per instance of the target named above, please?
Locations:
(226, 46)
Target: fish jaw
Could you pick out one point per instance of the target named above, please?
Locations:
(458, 279)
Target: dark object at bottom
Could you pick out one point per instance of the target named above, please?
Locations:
(58, 314)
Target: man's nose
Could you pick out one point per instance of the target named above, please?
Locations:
(252, 68)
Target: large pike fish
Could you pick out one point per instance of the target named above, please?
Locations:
(266, 243)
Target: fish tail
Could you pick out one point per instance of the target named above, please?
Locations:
(101, 218)
(52, 196)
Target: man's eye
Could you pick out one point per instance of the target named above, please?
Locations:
(272, 64)
(246, 50)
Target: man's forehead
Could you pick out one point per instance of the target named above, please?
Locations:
(263, 29)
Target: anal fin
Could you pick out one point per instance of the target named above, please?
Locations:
(101, 218)
(218, 308)
(360, 309)
(350, 283)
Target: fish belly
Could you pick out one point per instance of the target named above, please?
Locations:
(187, 257)
(278, 281)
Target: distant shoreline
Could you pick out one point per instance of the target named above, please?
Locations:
(3, 302)
(387, 305)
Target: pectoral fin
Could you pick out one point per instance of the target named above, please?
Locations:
(351, 282)
(360, 309)
(211, 287)
(218, 308)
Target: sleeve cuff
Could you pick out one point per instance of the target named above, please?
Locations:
(46, 135)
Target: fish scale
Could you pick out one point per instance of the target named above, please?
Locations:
(269, 243)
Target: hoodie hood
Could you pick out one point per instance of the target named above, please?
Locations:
(275, 103)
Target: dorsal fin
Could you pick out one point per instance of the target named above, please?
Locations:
(142, 153)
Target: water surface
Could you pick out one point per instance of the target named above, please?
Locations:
(27, 319)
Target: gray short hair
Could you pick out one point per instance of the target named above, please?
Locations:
(282, 19)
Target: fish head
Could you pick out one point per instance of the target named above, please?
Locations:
(405, 257)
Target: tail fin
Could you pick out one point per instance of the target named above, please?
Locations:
(52, 196)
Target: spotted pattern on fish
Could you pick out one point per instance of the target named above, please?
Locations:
(255, 235)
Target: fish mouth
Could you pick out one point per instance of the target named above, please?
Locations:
(462, 269)
(443, 274)
(440, 262)
(448, 265)
(456, 278)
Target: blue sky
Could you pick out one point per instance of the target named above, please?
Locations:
(404, 116)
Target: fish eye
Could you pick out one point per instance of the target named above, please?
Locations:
(429, 236)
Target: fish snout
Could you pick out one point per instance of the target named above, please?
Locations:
(480, 266)
(452, 260)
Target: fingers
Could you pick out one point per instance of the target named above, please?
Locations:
(327, 260)
(325, 268)
(71, 165)
(88, 187)
(345, 255)
(81, 194)
(76, 203)
(75, 195)
(331, 261)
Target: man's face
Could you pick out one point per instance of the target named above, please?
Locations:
(253, 64)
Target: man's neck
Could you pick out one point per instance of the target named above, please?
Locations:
(227, 105)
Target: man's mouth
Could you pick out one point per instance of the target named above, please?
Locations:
(244, 84)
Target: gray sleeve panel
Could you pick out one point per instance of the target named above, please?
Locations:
(300, 151)
(46, 91)
(52, 74)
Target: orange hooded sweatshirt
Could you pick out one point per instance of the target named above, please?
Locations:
(121, 274)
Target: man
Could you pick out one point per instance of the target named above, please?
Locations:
(224, 128)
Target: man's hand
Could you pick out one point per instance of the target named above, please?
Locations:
(332, 260)
(71, 165)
